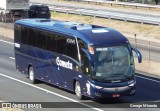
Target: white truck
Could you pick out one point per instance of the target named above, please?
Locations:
(11, 9)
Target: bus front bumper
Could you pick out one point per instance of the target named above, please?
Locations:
(115, 92)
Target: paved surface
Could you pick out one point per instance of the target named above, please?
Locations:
(10, 90)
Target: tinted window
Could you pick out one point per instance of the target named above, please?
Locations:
(41, 39)
(72, 48)
(43, 8)
(24, 34)
(17, 33)
(82, 44)
(31, 36)
(32, 7)
(85, 61)
(61, 44)
(51, 42)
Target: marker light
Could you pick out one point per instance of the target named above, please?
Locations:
(132, 84)
(91, 50)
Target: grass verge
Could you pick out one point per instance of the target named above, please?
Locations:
(141, 30)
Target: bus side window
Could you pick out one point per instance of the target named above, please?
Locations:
(72, 48)
(84, 59)
(61, 44)
(17, 33)
(51, 42)
(82, 44)
(24, 34)
(31, 36)
(85, 64)
(41, 39)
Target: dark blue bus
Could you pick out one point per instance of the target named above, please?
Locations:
(90, 60)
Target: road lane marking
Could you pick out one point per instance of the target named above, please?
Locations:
(147, 78)
(6, 41)
(67, 98)
(12, 58)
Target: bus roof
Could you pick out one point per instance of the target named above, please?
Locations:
(91, 34)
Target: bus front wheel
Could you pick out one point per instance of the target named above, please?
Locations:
(78, 90)
(32, 75)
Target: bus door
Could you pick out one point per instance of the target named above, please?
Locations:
(68, 62)
(86, 70)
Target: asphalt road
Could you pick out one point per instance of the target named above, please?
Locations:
(15, 87)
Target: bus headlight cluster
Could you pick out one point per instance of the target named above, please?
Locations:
(98, 87)
(95, 86)
(132, 83)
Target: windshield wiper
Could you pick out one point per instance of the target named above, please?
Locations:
(128, 78)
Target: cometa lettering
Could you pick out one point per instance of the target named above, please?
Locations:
(64, 64)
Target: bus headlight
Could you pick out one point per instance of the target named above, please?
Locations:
(95, 86)
(98, 87)
(132, 83)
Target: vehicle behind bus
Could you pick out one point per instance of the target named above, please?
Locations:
(39, 11)
(11, 10)
(90, 60)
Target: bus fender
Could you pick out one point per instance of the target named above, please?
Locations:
(29, 65)
(74, 81)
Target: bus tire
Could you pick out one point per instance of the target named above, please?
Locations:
(78, 90)
(32, 75)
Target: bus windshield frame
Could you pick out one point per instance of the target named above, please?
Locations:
(115, 68)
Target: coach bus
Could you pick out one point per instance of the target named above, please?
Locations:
(92, 61)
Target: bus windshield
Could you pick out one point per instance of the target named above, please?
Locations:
(113, 63)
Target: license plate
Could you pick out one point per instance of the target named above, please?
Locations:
(116, 95)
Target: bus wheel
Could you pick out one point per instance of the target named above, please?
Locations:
(31, 75)
(78, 90)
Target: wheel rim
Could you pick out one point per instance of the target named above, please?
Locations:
(78, 89)
(31, 75)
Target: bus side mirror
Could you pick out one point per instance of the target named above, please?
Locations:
(139, 55)
(88, 55)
